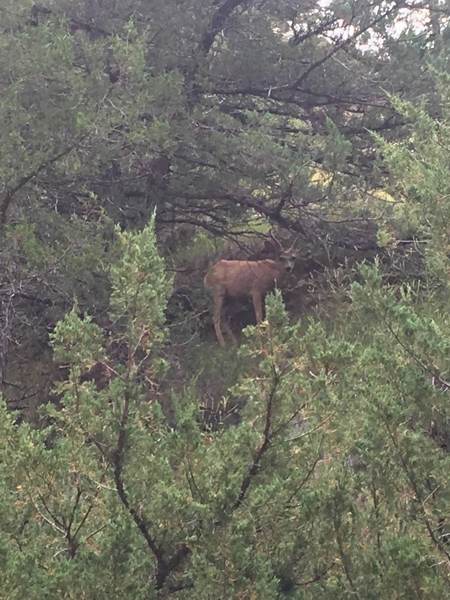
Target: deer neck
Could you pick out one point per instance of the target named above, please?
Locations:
(278, 269)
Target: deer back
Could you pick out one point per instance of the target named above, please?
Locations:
(243, 277)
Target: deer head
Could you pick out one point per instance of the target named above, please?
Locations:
(287, 257)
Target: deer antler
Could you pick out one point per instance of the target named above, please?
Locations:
(292, 246)
(277, 242)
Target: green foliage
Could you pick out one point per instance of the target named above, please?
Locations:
(140, 287)
(333, 483)
(332, 480)
(421, 178)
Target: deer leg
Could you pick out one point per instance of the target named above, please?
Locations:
(257, 305)
(218, 304)
(229, 330)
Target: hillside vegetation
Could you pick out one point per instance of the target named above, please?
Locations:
(140, 143)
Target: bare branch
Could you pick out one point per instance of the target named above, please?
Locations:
(265, 445)
(11, 192)
(218, 21)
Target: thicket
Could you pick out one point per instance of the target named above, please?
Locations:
(142, 460)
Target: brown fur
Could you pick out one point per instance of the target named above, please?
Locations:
(240, 278)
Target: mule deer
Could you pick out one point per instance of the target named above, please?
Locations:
(240, 278)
